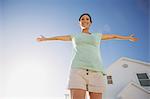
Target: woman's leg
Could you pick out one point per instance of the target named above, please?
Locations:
(94, 95)
(77, 93)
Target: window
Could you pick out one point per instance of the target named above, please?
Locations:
(109, 80)
(143, 79)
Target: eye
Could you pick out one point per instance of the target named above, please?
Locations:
(87, 18)
(82, 19)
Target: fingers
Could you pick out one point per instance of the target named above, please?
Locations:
(41, 38)
(38, 39)
(134, 39)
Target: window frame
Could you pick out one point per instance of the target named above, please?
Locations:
(143, 79)
(109, 79)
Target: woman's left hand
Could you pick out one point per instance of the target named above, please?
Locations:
(133, 39)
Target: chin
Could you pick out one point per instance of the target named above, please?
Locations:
(85, 27)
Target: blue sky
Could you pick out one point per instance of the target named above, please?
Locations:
(24, 20)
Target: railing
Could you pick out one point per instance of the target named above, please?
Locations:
(66, 96)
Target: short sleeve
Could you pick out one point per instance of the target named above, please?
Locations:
(99, 35)
(73, 35)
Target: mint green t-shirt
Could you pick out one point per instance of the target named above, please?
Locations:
(86, 51)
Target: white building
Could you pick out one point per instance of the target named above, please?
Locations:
(130, 79)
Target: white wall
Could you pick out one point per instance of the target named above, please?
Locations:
(132, 92)
(122, 76)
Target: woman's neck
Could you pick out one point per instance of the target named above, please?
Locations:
(86, 31)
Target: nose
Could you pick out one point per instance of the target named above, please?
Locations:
(84, 21)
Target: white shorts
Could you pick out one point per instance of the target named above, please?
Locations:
(86, 79)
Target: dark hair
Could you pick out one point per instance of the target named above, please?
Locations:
(87, 15)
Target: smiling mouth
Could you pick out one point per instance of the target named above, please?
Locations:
(84, 23)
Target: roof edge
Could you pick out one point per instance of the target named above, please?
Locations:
(130, 60)
(135, 60)
(135, 85)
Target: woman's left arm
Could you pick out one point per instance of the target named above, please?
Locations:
(113, 36)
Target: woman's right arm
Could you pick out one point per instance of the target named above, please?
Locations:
(62, 38)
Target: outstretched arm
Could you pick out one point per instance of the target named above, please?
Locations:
(62, 38)
(113, 36)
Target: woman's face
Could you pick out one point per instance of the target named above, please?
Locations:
(85, 22)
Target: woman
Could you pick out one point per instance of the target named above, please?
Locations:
(87, 73)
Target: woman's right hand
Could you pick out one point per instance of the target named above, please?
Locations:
(41, 38)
